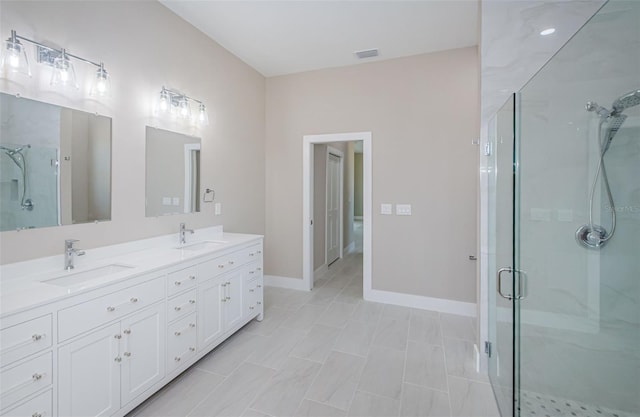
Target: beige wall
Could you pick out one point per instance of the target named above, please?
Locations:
(145, 46)
(423, 113)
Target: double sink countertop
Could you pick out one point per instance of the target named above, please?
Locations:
(29, 284)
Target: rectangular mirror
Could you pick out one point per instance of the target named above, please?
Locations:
(173, 173)
(55, 165)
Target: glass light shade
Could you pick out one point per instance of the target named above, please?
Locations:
(203, 117)
(164, 102)
(63, 73)
(102, 83)
(14, 58)
(184, 109)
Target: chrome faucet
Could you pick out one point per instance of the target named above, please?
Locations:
(70, 252)
(183, 230)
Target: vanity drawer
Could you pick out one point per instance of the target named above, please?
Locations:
(182, 280)
(181, 343)
(25, 379)
(40, 406)
(21, 340)
(254, 253)
(93, 313)
(182, 304)
(221, 265)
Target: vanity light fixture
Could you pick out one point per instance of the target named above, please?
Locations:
(175, 103)
(15, 60)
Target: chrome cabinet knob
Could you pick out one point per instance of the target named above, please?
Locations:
(177, 308)
(192, 301)
(177, 358)
(127, 331)
(231, 262)
(192, 349)
(192, 277)
(134, 300)
(127, 354)
(220, 266)
(177, 283)
(118, 359)
(117, 336)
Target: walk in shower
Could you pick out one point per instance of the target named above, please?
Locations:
(564, 216)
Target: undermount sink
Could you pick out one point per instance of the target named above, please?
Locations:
(202, 245)
(71, 279)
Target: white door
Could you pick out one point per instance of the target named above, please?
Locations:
(142, 351)
(334, 212)
(89, 374)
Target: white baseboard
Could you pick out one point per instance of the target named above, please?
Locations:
(442, 305)
(284, 282)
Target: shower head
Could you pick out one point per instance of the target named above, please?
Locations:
(614, 124)
(630, 99)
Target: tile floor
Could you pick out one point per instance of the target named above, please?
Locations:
(329, 353)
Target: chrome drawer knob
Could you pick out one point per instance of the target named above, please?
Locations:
(192, 277)
(127, 331)
(118, 359)
(231, 262)
(111, 308)
(118, 336)
(127, 354)
(259, 286)
(221, 266)
(134, 300)
(36, 377)
(177, 333)
(177, 358)
(192, 349)
(177, 283)
(36, 337)
(177, 308)
(192, 325)
(192, 301)
(36, 414)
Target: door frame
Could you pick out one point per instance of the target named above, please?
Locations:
(307, 204)
(339, 154)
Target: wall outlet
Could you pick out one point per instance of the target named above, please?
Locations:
(176, 201)
(403, 209)
(386, 208)
(166, 201)
(217, 208)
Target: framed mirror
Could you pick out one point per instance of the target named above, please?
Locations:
(172, 173)
(55, 165)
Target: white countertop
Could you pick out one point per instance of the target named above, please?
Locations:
(22, 286)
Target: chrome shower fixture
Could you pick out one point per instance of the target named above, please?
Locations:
(591, 235)
(18, 158)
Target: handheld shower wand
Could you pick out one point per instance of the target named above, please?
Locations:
(591, 235)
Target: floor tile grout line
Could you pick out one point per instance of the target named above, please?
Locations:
(446, 368)
(426, 387)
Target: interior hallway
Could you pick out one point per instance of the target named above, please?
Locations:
(330, 353)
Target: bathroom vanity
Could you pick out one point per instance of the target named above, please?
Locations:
(101, 338)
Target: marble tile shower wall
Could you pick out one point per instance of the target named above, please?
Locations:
(580, 317)
(329, 353)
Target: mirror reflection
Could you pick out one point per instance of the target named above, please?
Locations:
(55, 165)
(173, 173)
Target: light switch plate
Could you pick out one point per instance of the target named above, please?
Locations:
(386, 208)
(166, 201)
(565, 215)
(176, 201)
(403, 209)
(217, 207)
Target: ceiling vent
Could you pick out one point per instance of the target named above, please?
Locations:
(368, 53)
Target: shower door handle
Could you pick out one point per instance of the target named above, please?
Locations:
(499, 282)
(522, 285)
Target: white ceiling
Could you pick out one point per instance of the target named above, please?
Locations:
(284, 37)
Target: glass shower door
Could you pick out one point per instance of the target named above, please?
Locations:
(502, 315)
(578, 142)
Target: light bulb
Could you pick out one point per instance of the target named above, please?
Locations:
(203, 118)
(14, 59)
(64, 75)
(185, 110)
(163, 104)
(101, 84)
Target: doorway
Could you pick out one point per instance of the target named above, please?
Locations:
(308, 203)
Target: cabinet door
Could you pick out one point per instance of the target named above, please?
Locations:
(210, 303)
(233, 311)
(89, 375)
(143, 351)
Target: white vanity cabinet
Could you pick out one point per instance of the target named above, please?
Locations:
(103, 351)
(26, 366)
(106, 369)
